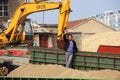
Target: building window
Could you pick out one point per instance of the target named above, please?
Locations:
(3, 8)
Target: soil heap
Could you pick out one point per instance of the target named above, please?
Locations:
(58, 71)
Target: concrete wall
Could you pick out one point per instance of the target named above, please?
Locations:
(50, 41)
(78, 38)
(36, 40)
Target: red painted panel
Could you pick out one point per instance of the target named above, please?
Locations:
(3, 52)
(43, 41)
(13, 52)
(109, 49)
(17, 52)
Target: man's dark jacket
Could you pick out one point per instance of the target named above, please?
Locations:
(67, 42)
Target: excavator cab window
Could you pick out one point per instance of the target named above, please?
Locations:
(28, 31)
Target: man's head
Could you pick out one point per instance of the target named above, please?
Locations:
(70, 37)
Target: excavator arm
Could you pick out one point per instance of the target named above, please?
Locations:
(12, 33)
(63, 17)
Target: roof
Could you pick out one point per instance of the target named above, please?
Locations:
(72, 24)
(76, 22)
(48, 25)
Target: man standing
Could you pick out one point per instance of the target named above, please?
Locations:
(70, 48)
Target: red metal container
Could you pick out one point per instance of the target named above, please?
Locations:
(109, 49)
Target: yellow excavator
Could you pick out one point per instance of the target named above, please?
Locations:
(14, 32)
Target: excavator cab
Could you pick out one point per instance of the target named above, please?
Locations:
(27, 34)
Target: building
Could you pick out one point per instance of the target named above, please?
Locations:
(109, 18)
(7, 9)
(84, 28)
(45, 35)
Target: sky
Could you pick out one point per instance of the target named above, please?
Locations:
(81, 9)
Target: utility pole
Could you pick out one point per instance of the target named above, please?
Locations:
(43, 17)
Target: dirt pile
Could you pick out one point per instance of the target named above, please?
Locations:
(59, 71)
(107, 38)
